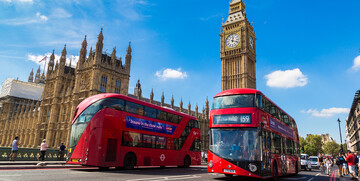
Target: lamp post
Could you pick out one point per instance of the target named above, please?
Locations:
(341, 146)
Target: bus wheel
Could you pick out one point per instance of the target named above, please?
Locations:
(129, 161)
(228, 175)
(162, 166)
(187, 161)
(275, 172)
(296, 168)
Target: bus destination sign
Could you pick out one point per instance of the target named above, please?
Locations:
(146, 125)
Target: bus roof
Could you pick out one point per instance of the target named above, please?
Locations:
(237, 91)
(86, 102)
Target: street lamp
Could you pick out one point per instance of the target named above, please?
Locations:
(341, 146)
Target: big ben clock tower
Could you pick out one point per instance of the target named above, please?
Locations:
(238, 50)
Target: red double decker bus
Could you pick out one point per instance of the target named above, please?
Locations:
(113, 130)
(251, 136)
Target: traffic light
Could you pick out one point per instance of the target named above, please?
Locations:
(302, 149)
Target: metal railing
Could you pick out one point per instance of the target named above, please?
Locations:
(30, 154)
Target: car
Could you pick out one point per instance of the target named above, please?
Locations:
(314, 161)
(305, 162)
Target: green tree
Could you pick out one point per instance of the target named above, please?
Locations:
(315, 140)
(344, 147)
(332, 148)
(310, 149)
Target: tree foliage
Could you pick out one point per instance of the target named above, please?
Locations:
(332, 148)
(312, 144)
(310, 149)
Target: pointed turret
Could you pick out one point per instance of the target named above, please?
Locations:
(196, 110)
(151, 96)
(206, 108)
(83, 52)
(162, 99)
(113, 57)
(189, 108)
(91, 57)
(51, 63)
(37, 76)
(42, 78)
(99, 47)
(31, 76)
(128, 57)
(63, 57)
(181, 105)
(172, 101)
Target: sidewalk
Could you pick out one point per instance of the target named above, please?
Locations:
(35, 165)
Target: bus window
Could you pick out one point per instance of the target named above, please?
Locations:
(148, 141)
(161, 115)
(195, 146)
(134, 108)
(113, 103)
(172, 118)
(276, 148)
(150, 112)
(233, 101)
(160, 142)
(131, 139)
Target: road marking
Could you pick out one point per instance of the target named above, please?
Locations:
(311, 179)
(183, 177)
(318, 174)
(298, 178)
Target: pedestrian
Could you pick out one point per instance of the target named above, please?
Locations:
(321, 161)
(345, 166)
(14, 148)
(356, 160)
(351, 163)
(339, 162)
(43, 147)
(62, 152)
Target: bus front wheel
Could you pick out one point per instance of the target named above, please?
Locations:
(187, 161)
(129, 161)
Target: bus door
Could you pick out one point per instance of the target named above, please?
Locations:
(283, 156)
(266, 153)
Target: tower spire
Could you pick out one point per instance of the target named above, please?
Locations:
(63, 57)
(31, 76)
(82, 52)
(99, 47)
(128, 57)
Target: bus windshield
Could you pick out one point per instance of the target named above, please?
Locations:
(236, 144)
(82, 121)
(234, 101)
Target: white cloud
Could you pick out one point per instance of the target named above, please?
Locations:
(39, 18)
(327, 112)
(60, 13)
(210, 17)
(286, 79)
(356, 65)
(171, 74)
(36, 58)
(18, 1)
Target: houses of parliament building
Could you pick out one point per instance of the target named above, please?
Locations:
(42, 108)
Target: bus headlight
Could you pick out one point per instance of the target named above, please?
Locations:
(252, 167)
(210, 164)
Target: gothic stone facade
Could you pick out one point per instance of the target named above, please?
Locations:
(65, 87)
(238, 50)
(353, 125)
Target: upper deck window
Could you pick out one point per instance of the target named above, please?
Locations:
(234, 101)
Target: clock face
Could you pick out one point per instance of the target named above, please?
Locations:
(232, 40)
(251, 42)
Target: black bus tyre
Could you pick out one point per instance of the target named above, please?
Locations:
(129, 161)
(187, 161)
(228, 175)
(296, 168)
(275, 172)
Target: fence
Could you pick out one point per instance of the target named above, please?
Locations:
(30, 154)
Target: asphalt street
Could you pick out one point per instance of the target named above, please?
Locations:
(198, 173)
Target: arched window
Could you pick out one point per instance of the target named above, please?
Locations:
(117, 86)
(103, 83)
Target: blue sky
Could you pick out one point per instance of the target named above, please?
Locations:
(307, 51)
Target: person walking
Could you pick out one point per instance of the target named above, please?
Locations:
(345, 166)
(356, 161)
(339, 162)
(14, 148)
(351, 164)
(43, 148)
(62, 152)
(321, 161)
